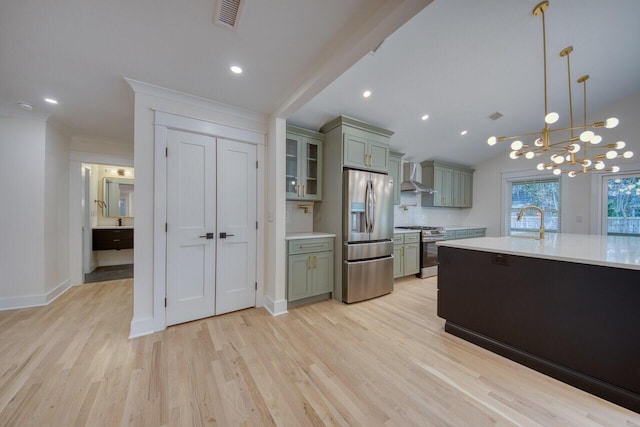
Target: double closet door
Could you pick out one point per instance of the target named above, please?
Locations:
(211, 226)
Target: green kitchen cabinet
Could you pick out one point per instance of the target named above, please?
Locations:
(303, 164)
(406, 254)
(363, 146)
(395, 172)
(310, 268)
(453, 185)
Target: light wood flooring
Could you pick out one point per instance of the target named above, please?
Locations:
(382, 362)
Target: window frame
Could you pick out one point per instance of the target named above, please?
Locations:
(599, 196)
(604, 218)
(508, 178)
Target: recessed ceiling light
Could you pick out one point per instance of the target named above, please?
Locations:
(51, 101)
(366, 93)
(463, 133)
(425, 117)
(235, 69)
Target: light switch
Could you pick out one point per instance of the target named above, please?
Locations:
(578, 218)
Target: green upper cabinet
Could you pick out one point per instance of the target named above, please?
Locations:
(453, 185)
(395, 172)
(303, 164)
(364, 146)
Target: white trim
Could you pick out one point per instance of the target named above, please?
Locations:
(507, 177)
(152, 90)
(206, 127)
(142, 327)
(12, 303)
(275, 308)
(164, 121)
(76, 158)
(599, 197)
(102, 159)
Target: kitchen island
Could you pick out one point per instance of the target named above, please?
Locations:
(567, 306)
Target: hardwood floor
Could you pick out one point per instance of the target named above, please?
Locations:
(381, 362)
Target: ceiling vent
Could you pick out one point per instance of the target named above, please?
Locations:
(495, 116)
(227, 12)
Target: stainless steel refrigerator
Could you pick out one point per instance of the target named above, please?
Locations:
(367, 230)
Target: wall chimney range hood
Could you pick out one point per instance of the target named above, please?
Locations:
(409, 183)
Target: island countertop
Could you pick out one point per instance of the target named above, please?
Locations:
(608, 251)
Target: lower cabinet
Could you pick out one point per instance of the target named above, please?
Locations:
(309, 268)
(465, 233)
(406, 254)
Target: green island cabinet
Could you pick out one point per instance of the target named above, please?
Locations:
(309, 268)
(395, 172)
(364, 146)
(304, 164)
(453, 184)
(406, 254)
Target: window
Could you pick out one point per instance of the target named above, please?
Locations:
(623, 205)
(544, 193)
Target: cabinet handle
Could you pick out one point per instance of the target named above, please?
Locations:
(308, 262)
(116, 240)
(304, 191)
(403, 251)
(310, 246)
(298, 190)
(315, 262)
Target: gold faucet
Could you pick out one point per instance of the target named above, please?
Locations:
(541, 217)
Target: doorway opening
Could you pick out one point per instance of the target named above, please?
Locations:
(108, 217)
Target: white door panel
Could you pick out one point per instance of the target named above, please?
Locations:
(236, 262)
(191, 194)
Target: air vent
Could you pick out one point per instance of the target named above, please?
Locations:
(494, 116)
(227, 12)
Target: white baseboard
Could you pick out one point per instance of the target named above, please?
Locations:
(141, 327)
(26, 301)
(275, 308)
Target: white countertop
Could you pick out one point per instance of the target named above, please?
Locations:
(112, 226)
(609, 251)
(461, 227)
(308, 235)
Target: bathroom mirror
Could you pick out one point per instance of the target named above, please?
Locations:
(118, 197)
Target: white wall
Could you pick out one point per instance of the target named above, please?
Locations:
(22, 177)
(56, 210)
(34, 247)
(88, 144)
(296, 219)
(487, 178)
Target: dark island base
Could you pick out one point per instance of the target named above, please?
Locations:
(589, 384)
(575, 322)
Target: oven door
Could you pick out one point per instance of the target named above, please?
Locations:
(429, 256)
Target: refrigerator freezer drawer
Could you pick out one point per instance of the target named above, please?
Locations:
(362, 280)
(368, 250)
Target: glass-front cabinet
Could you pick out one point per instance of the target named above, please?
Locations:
(303, 164)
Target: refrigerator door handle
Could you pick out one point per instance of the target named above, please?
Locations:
(372, 209)
(366, 208)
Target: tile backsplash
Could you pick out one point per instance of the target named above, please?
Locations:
(417, 215)
(297, 220)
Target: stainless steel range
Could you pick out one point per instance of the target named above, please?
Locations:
(428, 248)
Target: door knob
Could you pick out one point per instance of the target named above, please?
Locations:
(225, 235)
(207, 236)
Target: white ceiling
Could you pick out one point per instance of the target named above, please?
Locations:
(461, 60)
(457, 60)
(78, 51)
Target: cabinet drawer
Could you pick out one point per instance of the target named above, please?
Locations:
(412, 238)
(479, 232)
(398, 239)
(462, 234)
(102, 245)
(304, 246)
(110, 233)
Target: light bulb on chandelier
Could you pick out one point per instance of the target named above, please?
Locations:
(572, 154)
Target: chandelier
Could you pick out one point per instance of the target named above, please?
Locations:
(572, 154)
